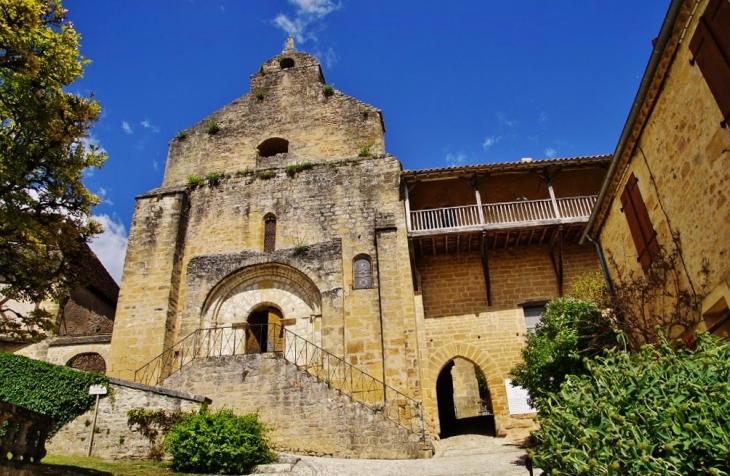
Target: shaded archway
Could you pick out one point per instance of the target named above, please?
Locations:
(264, 331)
(464, 402)
(88, 362)
(494, 379)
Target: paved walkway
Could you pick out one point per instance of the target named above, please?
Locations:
(465, 455)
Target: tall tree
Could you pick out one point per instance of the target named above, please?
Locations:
(45, 210)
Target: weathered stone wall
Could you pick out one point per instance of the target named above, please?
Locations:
(113, 438)
(86, 313)
(458, 322)
(680, 160)
(304, 415)
(286, 103)
(148, 296)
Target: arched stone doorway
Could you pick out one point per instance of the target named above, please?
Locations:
(264, 332)
(89, 362)
(464, 401)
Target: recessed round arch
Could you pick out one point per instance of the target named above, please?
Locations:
(271, 284)
(272, 146)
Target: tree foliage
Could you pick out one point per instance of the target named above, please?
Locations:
(659, 411)
(59, 392)
(44, 207)
(218, 442)
(569, 330)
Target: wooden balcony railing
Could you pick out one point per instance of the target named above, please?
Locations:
(525, 213)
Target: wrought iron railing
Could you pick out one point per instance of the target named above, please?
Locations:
(524, 212)
(307, 356)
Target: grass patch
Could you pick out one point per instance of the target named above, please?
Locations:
(267, 174)
(292, 170)
(59, 465)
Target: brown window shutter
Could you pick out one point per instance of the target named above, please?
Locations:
(717, 20)
(637, 217)
(709, 56)
(270, 234)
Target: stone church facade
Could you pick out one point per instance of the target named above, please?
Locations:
(282, 219)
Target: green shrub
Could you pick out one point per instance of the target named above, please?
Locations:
(195, 180)
(328, 90)
(213, 127)
(267, 174)
(292, 170)
(244, 172)
(591, 287)
(59, 392)
(151, 423)
(214, 178)
(568, 331)
(219, 442)
(660, 411)
(365, 151)
(260, 94)
(181, 134)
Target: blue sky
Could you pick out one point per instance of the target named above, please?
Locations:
(459, 82)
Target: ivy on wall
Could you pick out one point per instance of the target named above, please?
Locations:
(52, 390)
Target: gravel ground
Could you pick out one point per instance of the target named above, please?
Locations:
(465, 455)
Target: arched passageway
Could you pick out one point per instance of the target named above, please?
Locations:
(89, 362)
(464, 402)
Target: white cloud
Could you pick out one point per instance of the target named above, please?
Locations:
(542, 118)
(455, 159)
(111, 246)
(330, 58)
(307, 13)
(490, 141)
(550, 152)
(504, 121)
(127, 128)
(155, 165)
(102, 193)
(148, 125)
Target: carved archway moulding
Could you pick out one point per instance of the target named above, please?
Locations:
(241, 292)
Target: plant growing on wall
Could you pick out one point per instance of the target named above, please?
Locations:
(181, 134)
(365, 151)
(153, 423)
(213, 128)
(292, 170)
(214, 178)
(300, 246)
(59, 392)
(267, 174)
(244, 172)
(659, 297)
(260, 94)
(662, 410)
(195, 180)
(328, 90)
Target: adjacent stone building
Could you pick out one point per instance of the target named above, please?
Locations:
(84, 319)
(282, 226)
(662, 215)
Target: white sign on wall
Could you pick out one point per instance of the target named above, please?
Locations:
(97, 390)
(517, 399)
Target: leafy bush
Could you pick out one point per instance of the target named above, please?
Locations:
(328, 90)
(213, 127)
(195, 180)
(152, 423)
(660, 411)
(59, 392)
(214, 178)
(592, 287)
(568, 331)
(219, 442)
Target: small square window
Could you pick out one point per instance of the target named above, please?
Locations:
(532, 316)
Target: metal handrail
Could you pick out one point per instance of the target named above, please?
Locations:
(338, 374)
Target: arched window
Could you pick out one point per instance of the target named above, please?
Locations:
(269, 233)
(272, 146)
(286, 63)
(363, 272)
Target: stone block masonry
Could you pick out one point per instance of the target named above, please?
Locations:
(303, 415)
(113, 438)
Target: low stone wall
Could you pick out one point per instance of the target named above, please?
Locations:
(113, 438)
(304, 415)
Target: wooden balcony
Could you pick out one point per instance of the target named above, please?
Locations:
(529, 222)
